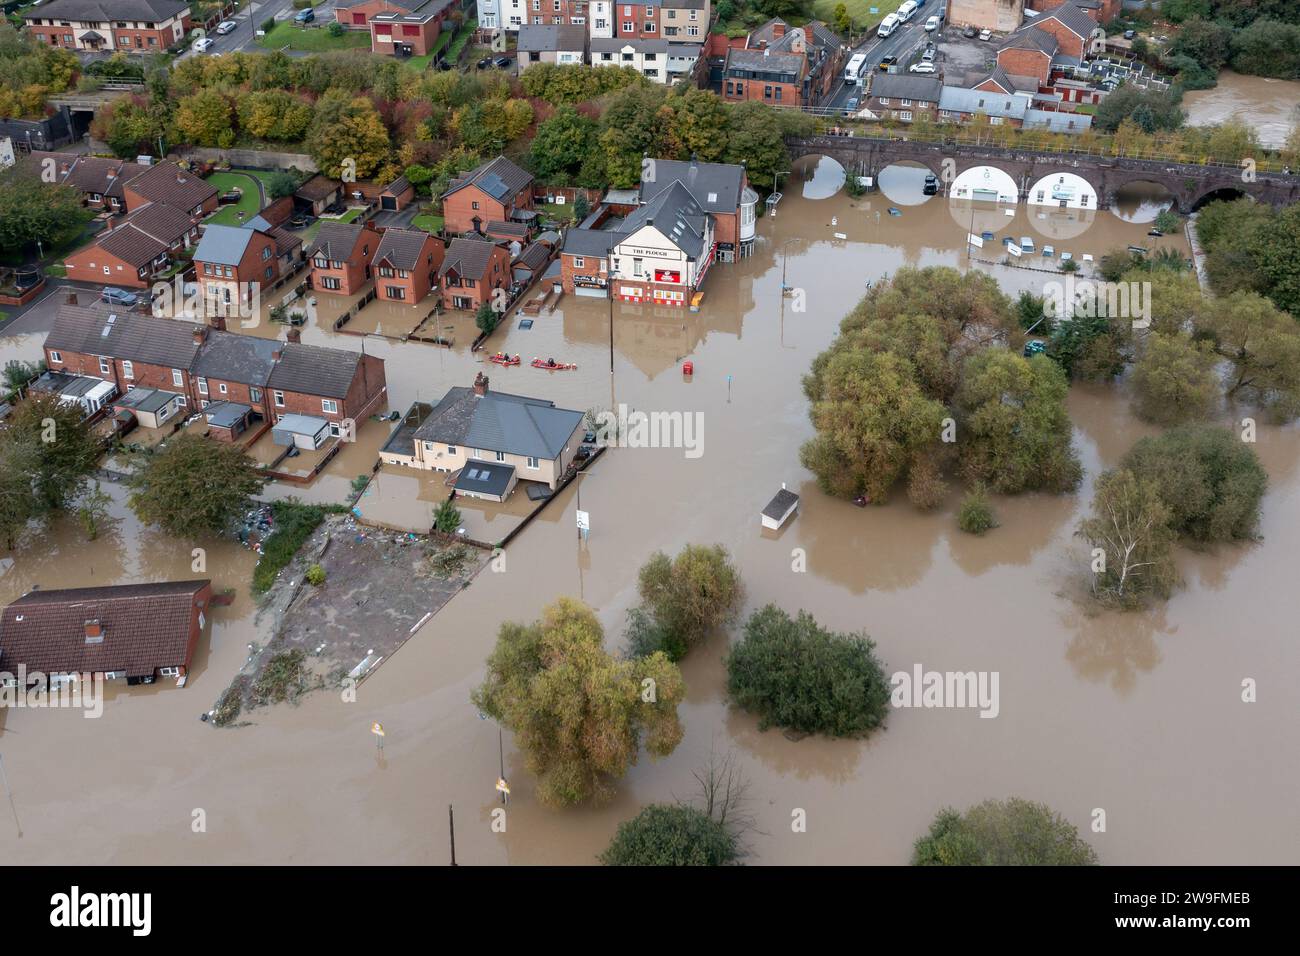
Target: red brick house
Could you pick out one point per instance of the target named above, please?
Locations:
(233, 261)
(132, 632)
(131, 253)
(340, 257)
(406, 265)
(470, 271)
(784, 65)
(356, 14)
(209, 365)
(100, 181)
(408, 33)
(168, 183)
(123, 26)
(1071, 25)
(1029, 52)
(498, 190)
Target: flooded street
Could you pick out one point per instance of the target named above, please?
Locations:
(1266, 105)
(1138, 714)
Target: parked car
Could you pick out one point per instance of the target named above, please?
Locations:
(887, 62)
(119, 297)
(1129, 34)
(969, 33)
(929, 55)
(502, 62)
(931, 25)
(306, 15)
(986, 35)
(484, 63)
(851, 106)
(931, 186)
(226, 26)
(203, 44)
(924, 66)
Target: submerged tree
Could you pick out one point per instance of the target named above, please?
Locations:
(671, 835)
(578, 714)
(1133, 544)
(1010, 832)
(684, 599)
(1175, 380)
(63, 449)
(193, 486)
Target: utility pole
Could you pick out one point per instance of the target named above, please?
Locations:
(451, 827)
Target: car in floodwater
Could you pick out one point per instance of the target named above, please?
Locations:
(931, 186)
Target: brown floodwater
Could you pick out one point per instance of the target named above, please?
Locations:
(1137, 714)
(1268, 106)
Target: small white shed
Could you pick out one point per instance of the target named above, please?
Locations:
(780, 508)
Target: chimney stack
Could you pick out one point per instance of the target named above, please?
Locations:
(277, 354)
(94, 632)
(219, 322)
(480, 384)
(293, 335)
(70, 298)
(200, 333)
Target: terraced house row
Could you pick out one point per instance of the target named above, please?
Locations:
(196, 366)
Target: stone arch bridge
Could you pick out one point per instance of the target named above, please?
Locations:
(1191, 185)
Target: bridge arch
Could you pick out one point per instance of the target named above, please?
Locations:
(1062, 189)
(1226, 193)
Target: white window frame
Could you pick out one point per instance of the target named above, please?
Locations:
(329, 406)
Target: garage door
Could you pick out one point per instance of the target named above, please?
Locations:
(590, 293)
(388, 202)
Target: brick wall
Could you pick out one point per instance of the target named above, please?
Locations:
(1026, 63)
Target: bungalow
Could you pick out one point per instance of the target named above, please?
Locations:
(356, 14)
(497, 190)
(904, 97)
(234, 262)
(406, 264)
(135, 251)
(136, 632)
(472, 269)
(470, 428)
(125, 26)
(561, 43)
(340, 257)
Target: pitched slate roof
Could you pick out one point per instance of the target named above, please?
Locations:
(763, 61)
(551, 37)
(590, 242)
(313, 370)
(1030, 37)
(498, 421)
(146, 399)
(144, 626)
(499, 178)
(781, 503)
(903, 86)
(102, 11)
(319, 187)
(715, 186)
(401, 247)
(676, 214)
(467, 257)
(534, 257)
(224, 244)
(337, 240)
(1072, 17)
(246, 359)
(89, 174)
(168, 183)
(1001, 78)
(125, 335)
(146, 234)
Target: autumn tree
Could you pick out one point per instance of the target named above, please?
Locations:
(1174, 380)
(1011, 832)
(347, 135)
(202, 118)
(1262, 344)
(684, 599)
(671, 835)
(275, 115)
(562, 144)
(578, 714)
(192, 486)
(1014, 432)
(18, 505)
(33, 211)
(1129, 530)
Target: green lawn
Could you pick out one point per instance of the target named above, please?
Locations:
(859, 11)
(428, 222)
(466, 31)
(250, 203)
(349, 216)
(313, 39)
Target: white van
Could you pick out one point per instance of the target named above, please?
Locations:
(887, 25)
(906, 10)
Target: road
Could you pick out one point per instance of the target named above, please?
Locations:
(250, 20)
(901, 41)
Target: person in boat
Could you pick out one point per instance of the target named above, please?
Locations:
(551, 362)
